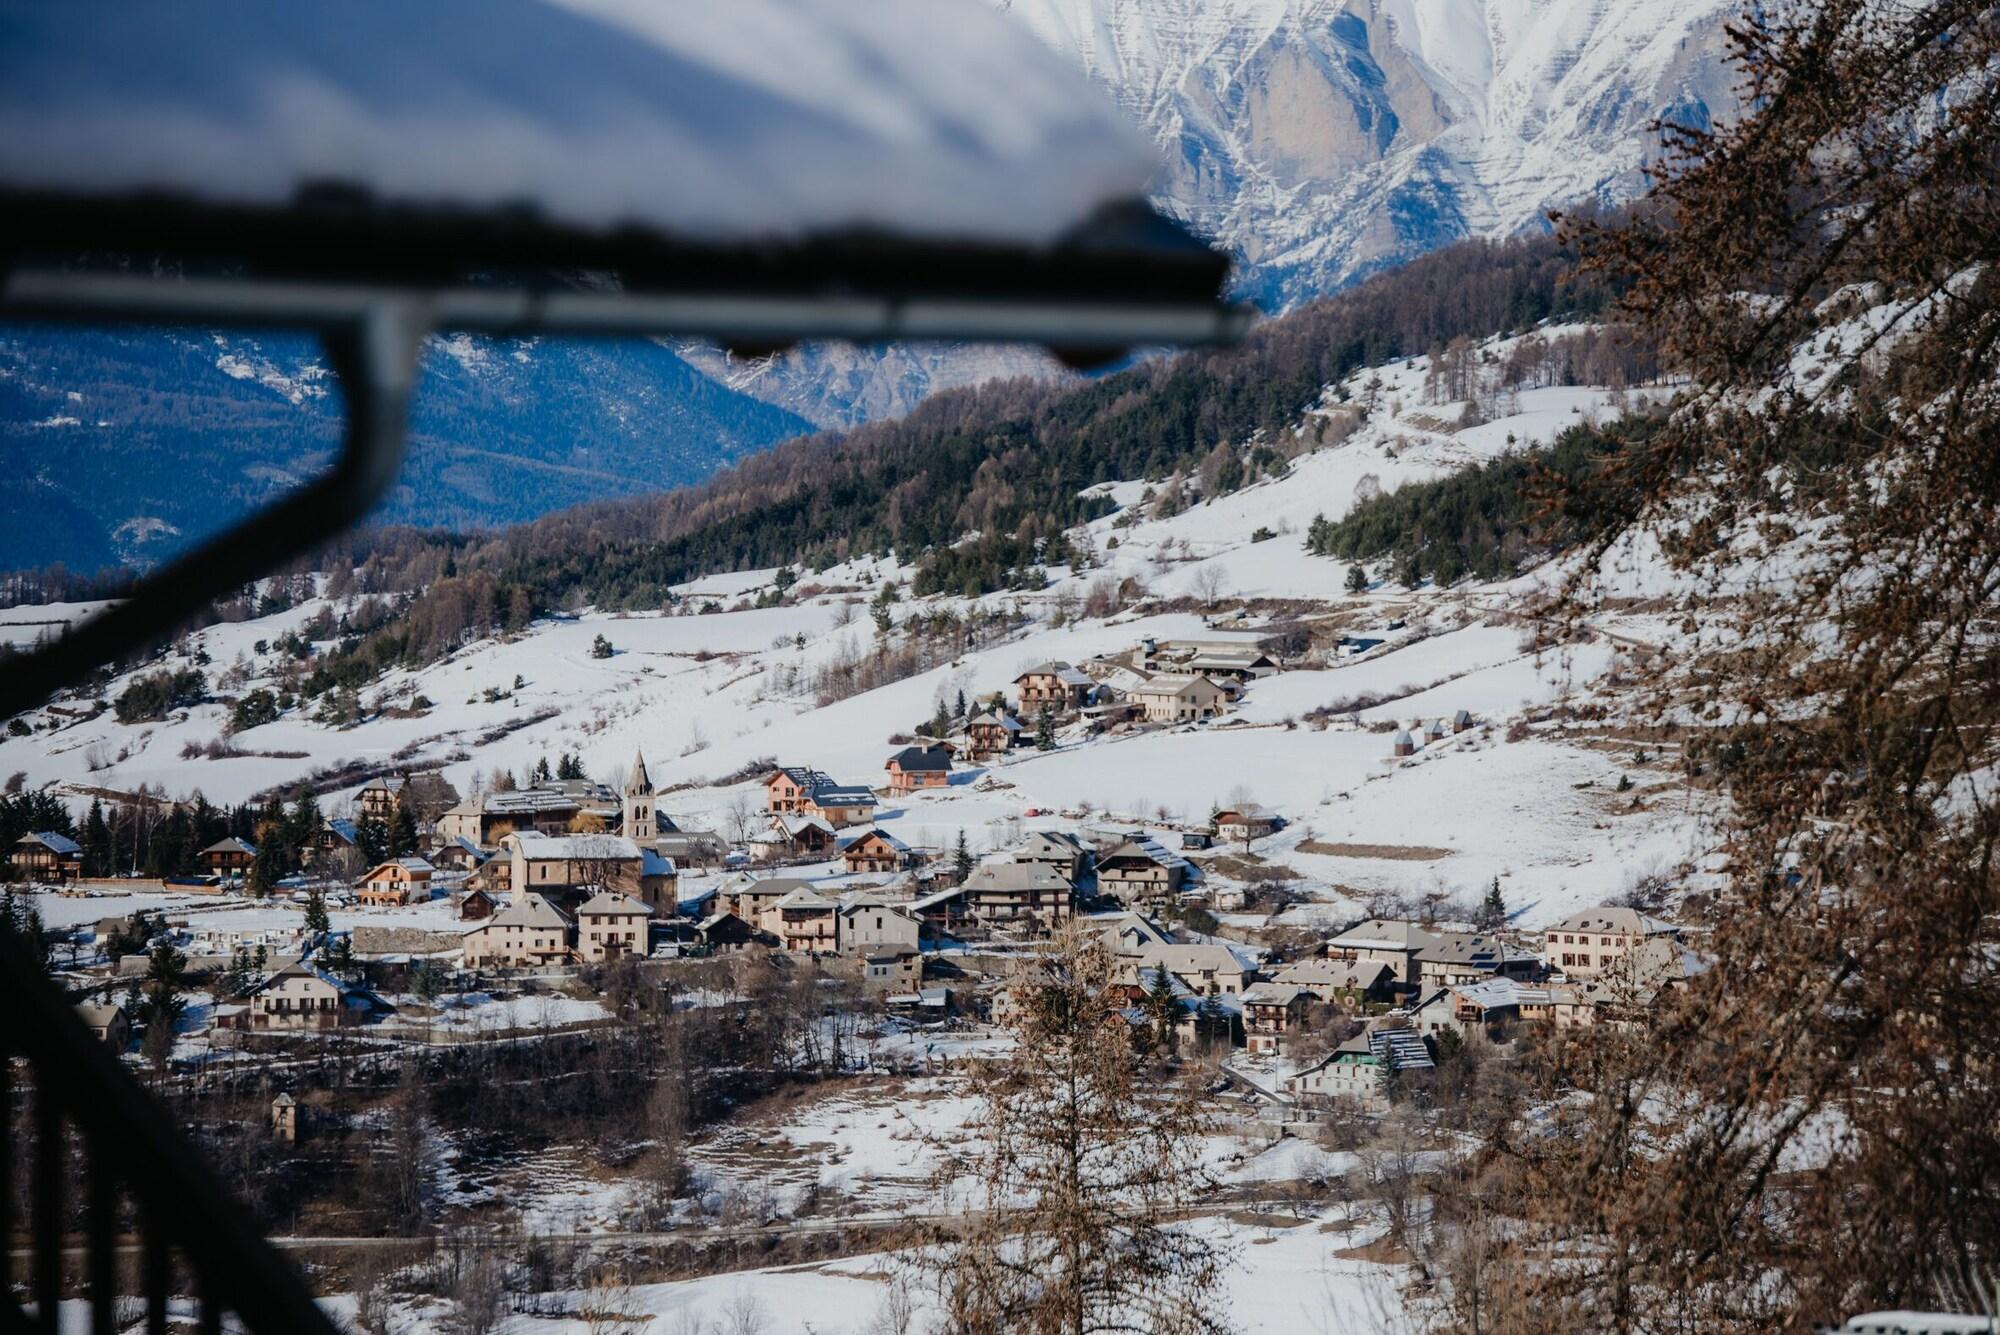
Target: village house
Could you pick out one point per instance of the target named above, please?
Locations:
(1347, 984)
(1238, 665)
(1272, 1014)
(336, 838)
(991, 735)
(873, 850)
(1382, 941)
(747, 897)
(1242, 824)
(1176, 698)
(1005, 894)
(552, 863)
(1588, 944)
(916, 767)
(898, 971)
(1455, 959)
(1486, 1009)
(395, 883)
(228, 857)
(794, 836)
(528, 933)
(1057, 685)
(1141, 871)
(1129, 933)
(47, 857)
(869, 925)
(456, 855)
(805, 922)
(785, 789)
(1206, 970)
(1053, 848)
(610, 924)
(300, 996)
(377, 798)
(486, 818)
(477, 906)
(107, 1023)
(842, 804)
(1361, 1068)
(720, 932)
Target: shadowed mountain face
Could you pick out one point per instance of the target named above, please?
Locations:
(126, 445)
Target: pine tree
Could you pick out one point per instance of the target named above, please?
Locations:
(371, 840)
(541, 772)
(316, 919)
(1045, 728)
(1357, 580)
(1097, 1167)
(941, 721)
(961, 858)
(600, 648)
(1163, 1010)
(402, 832)
(96, 842)
(1493, 911)
(958, 710)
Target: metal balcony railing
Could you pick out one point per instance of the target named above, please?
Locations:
(107, 1180)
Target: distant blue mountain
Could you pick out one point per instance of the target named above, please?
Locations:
(126, 445)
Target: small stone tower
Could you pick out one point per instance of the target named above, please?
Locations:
(285, 1118)
(640, 825)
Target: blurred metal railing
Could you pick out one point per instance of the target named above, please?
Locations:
(106, 1175)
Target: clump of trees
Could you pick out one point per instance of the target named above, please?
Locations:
(1486, 522)
(151, 696)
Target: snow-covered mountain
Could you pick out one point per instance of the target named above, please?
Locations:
(1321, 140)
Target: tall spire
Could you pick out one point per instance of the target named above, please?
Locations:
(640, 781)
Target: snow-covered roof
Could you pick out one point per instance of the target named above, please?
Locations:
(847, 841)
(231, 845)
(1613, 918)
(652, 862)
(608, 902)
(739, 121)
(528, 910)
(535, 845)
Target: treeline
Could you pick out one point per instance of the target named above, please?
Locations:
(1484, 522)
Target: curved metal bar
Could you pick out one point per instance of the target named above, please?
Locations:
(375, 355)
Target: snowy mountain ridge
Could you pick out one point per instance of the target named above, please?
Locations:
(1321, 140)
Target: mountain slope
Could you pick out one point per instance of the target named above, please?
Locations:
(137, 442)
(1324, 139)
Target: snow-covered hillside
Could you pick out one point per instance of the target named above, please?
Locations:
(709, 691)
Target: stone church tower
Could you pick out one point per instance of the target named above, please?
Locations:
(641, 826)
